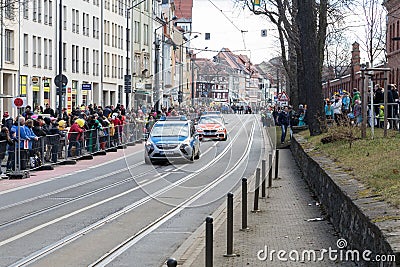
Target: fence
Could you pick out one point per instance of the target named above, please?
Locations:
(68, 146)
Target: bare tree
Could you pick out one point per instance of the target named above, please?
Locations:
(374, 17)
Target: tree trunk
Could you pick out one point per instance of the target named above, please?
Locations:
(311, 64)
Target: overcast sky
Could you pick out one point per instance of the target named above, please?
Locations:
(234, 28)
(239, 30)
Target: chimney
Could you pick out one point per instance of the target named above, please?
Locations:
(355, 57)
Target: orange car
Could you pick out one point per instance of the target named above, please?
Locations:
(211, 127)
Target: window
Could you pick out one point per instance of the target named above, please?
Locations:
(34, 10)
(9, 46)
(136, 63)
(64, 56)
(85, 60)
(107, 4)
(129, 40)
(25, 9)
(50, 51)
(137, 32)
(34, 54)
(77, 21)
(45, 47)
(9, 9)
(65, 17)
(146, 34)
(46, 11)
(39, 54)
(96, 2)
(26, 49)
(40, 11)
(120, 8)
(85, 22)
(96, 62)
(50, 11)
(106, 64)
(96, 31)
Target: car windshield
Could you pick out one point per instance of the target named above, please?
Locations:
(173, 129)
(208, 120)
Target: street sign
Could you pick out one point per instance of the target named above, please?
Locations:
(86, 86)
(61, 81)
(19, 102)
(128, 83)
(283, 99)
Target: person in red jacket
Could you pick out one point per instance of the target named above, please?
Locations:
(75, 135)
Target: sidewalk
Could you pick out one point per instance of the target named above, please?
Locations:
(281, 225)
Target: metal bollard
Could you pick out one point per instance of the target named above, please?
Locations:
(209, 242)
(244, 204)
(229, 227)
(270, 171)
(263, 178)
(172, 262)
(276, 164)
(256, 191)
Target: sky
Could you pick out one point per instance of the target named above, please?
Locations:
(232, 27)
(239, 30)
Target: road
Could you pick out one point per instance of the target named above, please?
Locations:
(122, 212)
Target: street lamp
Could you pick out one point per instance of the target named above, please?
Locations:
(128, 77)
(156, 93)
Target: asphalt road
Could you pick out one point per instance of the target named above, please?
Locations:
(122, 212)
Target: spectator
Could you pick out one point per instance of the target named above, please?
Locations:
(48, 110)
(284, 121)
(337, 109)
(7, 121)
(5, 140)
(75, 135)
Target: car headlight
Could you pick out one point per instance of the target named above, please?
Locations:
(149, 147)
(200, 129)
(221, 129)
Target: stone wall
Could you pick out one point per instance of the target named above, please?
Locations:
(365, 222)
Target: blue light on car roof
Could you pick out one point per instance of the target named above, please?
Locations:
(173, 118)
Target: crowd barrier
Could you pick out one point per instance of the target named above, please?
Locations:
(68, 146)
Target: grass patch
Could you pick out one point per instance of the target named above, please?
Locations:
(374, 162)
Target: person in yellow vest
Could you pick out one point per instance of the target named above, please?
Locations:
(381, 116)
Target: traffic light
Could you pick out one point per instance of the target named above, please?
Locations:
(180, 97)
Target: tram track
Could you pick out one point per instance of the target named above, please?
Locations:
(151, 226)
(131, 207)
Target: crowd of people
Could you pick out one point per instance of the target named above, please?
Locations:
(90, 126)
(344, 106)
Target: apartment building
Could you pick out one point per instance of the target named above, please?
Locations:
(95, 51)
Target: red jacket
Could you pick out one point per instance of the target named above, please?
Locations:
(75, 129)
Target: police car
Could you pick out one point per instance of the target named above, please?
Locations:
(172, 138)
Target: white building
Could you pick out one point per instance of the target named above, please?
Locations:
(94, 48)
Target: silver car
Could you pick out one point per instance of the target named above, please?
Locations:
(172, 138)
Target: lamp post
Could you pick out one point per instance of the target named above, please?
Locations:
(156, 93)
(128, 77)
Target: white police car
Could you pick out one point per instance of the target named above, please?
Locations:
(172, 138)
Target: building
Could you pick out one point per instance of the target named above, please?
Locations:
(95, 51)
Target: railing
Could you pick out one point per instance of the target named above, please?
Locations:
(67, 146)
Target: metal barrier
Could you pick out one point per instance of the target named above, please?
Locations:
(70, 146)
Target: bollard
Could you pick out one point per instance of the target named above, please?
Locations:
(270, 171)
(229, 227)
(263, 178)
(172, 262)
(276, 164)
(209, 242)
(256, 191)
(244, 204)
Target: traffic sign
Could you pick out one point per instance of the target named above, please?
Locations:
(283, 99)
(19, 102)
(128, 83)
(61, 81)
(86, 86)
